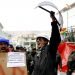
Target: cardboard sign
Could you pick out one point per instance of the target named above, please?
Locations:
(4, 70)
(16, 59)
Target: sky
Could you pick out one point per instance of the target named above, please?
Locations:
(21, 15)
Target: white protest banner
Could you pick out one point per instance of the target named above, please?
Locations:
(16, 59)
(48, 3)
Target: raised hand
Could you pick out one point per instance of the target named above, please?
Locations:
(52, 15)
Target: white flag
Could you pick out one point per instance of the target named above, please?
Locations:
(45, 3)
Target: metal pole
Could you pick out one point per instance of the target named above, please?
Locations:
(67, 20)
(68, 7)
(44, 9)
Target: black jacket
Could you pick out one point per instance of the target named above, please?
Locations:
(71, 61)
(45, 63)
(58, 60)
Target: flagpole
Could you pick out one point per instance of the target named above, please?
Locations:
(50, 13)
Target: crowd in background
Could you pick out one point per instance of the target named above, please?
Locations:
(30, 56)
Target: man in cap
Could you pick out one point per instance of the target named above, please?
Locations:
(4, 45)
(45, 62)
(44, 39)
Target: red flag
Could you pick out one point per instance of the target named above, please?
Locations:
(65, 50)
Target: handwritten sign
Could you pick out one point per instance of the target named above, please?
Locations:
(16, 59)
(4, 70)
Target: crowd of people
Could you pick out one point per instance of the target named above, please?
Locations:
(45, 59)
(5, 46)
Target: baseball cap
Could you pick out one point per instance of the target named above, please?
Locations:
(4, 40)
